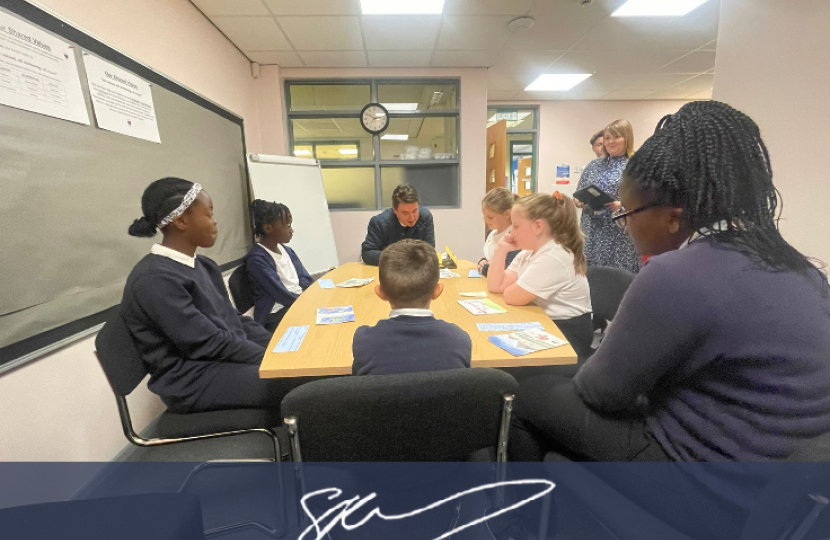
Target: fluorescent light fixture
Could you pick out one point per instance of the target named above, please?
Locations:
(556, 82)
(348, 151)
(391, 137)
(302, 152)
(402, 7)
(400, 106)
(656, 8)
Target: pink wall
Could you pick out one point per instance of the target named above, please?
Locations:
(774, 65)
(461, 229)
(566, 127)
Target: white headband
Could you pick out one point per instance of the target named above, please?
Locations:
(189, 197)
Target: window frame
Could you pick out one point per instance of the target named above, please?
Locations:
(377, 163)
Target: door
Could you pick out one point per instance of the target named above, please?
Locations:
(525, 176)
(496, 156)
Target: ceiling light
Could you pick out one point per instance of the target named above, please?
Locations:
(302, 152)
(348, 151)
(556, 82)
(401, 7)
(400, 106)
(391, 137)
(656, 8)
(436, 98)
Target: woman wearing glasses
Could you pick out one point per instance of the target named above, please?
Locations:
(605, 244)
(720, 350)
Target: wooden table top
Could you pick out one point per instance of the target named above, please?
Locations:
(327, 349)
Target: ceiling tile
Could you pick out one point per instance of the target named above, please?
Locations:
(253, 33)
(283, 59)
(231, 7)
(702, 95)
(400, 32)
(711, 46)
(473, 32)
(524, 61)
(695, 85)
(486, 7)
(400, 58)
(500, 96)
(323, 33)
(627, 95)
(314, 7)
(333, 58)
(657, 81)
(669, 94)
(570, 10)
(463, 58)
(550, 33)
(504, 83)
(694, 62)
(606, 82)
(612, 62)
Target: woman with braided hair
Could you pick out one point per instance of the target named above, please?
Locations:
(720, 350)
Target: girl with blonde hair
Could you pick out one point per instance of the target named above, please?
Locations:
(496, 207)
(550, 270)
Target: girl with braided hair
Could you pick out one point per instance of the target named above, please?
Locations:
(276, 274)
(720, 350)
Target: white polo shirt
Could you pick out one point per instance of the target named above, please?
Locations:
(550, 275)
(492, 240)
(286, 272)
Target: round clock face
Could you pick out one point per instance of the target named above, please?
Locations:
(374, 117)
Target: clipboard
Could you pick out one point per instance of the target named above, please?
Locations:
(593, 197)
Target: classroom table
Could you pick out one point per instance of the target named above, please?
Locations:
(327, 349)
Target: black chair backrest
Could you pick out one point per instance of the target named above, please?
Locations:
(118, 355)
(243, 294)
(608, 286)
(431, 416)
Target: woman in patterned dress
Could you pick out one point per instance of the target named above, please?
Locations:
(605, 243)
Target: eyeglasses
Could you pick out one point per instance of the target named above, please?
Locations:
(619, 217)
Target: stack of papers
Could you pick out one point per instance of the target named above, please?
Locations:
(526, 342)
(356, 282)
(482, 307)
(335, 315)
(447, 273)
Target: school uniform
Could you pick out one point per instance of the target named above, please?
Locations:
(562, 294)
(384, 230)
(490, 246)
(200, 352)
(277, 278)
(410, 341)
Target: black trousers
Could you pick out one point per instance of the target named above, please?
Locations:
(549, 415)
(238, 386)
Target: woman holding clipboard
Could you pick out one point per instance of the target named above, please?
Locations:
(605, 243)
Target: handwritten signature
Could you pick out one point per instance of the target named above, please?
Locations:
(345, 508)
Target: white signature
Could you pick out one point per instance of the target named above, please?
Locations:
(349, 506)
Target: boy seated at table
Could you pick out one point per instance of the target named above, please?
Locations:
(411, 339)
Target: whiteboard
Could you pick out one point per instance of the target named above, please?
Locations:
(298, 184)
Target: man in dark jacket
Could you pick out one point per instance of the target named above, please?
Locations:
(404, 220)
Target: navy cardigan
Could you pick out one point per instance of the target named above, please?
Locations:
(265, 281)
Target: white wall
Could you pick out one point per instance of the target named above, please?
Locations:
(60, 408)
(461, 229)
(566, 128)
(773, 63)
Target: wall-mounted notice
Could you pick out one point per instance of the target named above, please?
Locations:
(38, 72)
(123, 102)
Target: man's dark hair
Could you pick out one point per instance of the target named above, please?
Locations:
(709, 159)
(597, 135)
(404, 193)
(408, 273)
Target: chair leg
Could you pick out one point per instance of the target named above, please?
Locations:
(501, 450)
(293, 428)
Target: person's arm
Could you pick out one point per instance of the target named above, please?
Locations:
(166, 302)
(498, 278)
(373, 245)
(255, 331)
(305, 278)
(542, 278)
(663, 317)
(265, 276)
(429, 229)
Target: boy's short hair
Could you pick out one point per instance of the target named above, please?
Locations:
(404, 193)
(408, 273)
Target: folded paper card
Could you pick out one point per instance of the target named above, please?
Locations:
(326, 283)
(335, 315)
(291, 339)
(482, 307)
(526, 341)
(474, 273)
(480, 294)
(444, 273)
(356, 282)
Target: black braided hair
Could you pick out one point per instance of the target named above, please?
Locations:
(264, 212)
(709, 159)
(159, 199)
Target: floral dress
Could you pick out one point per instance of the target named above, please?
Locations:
(605, 243)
